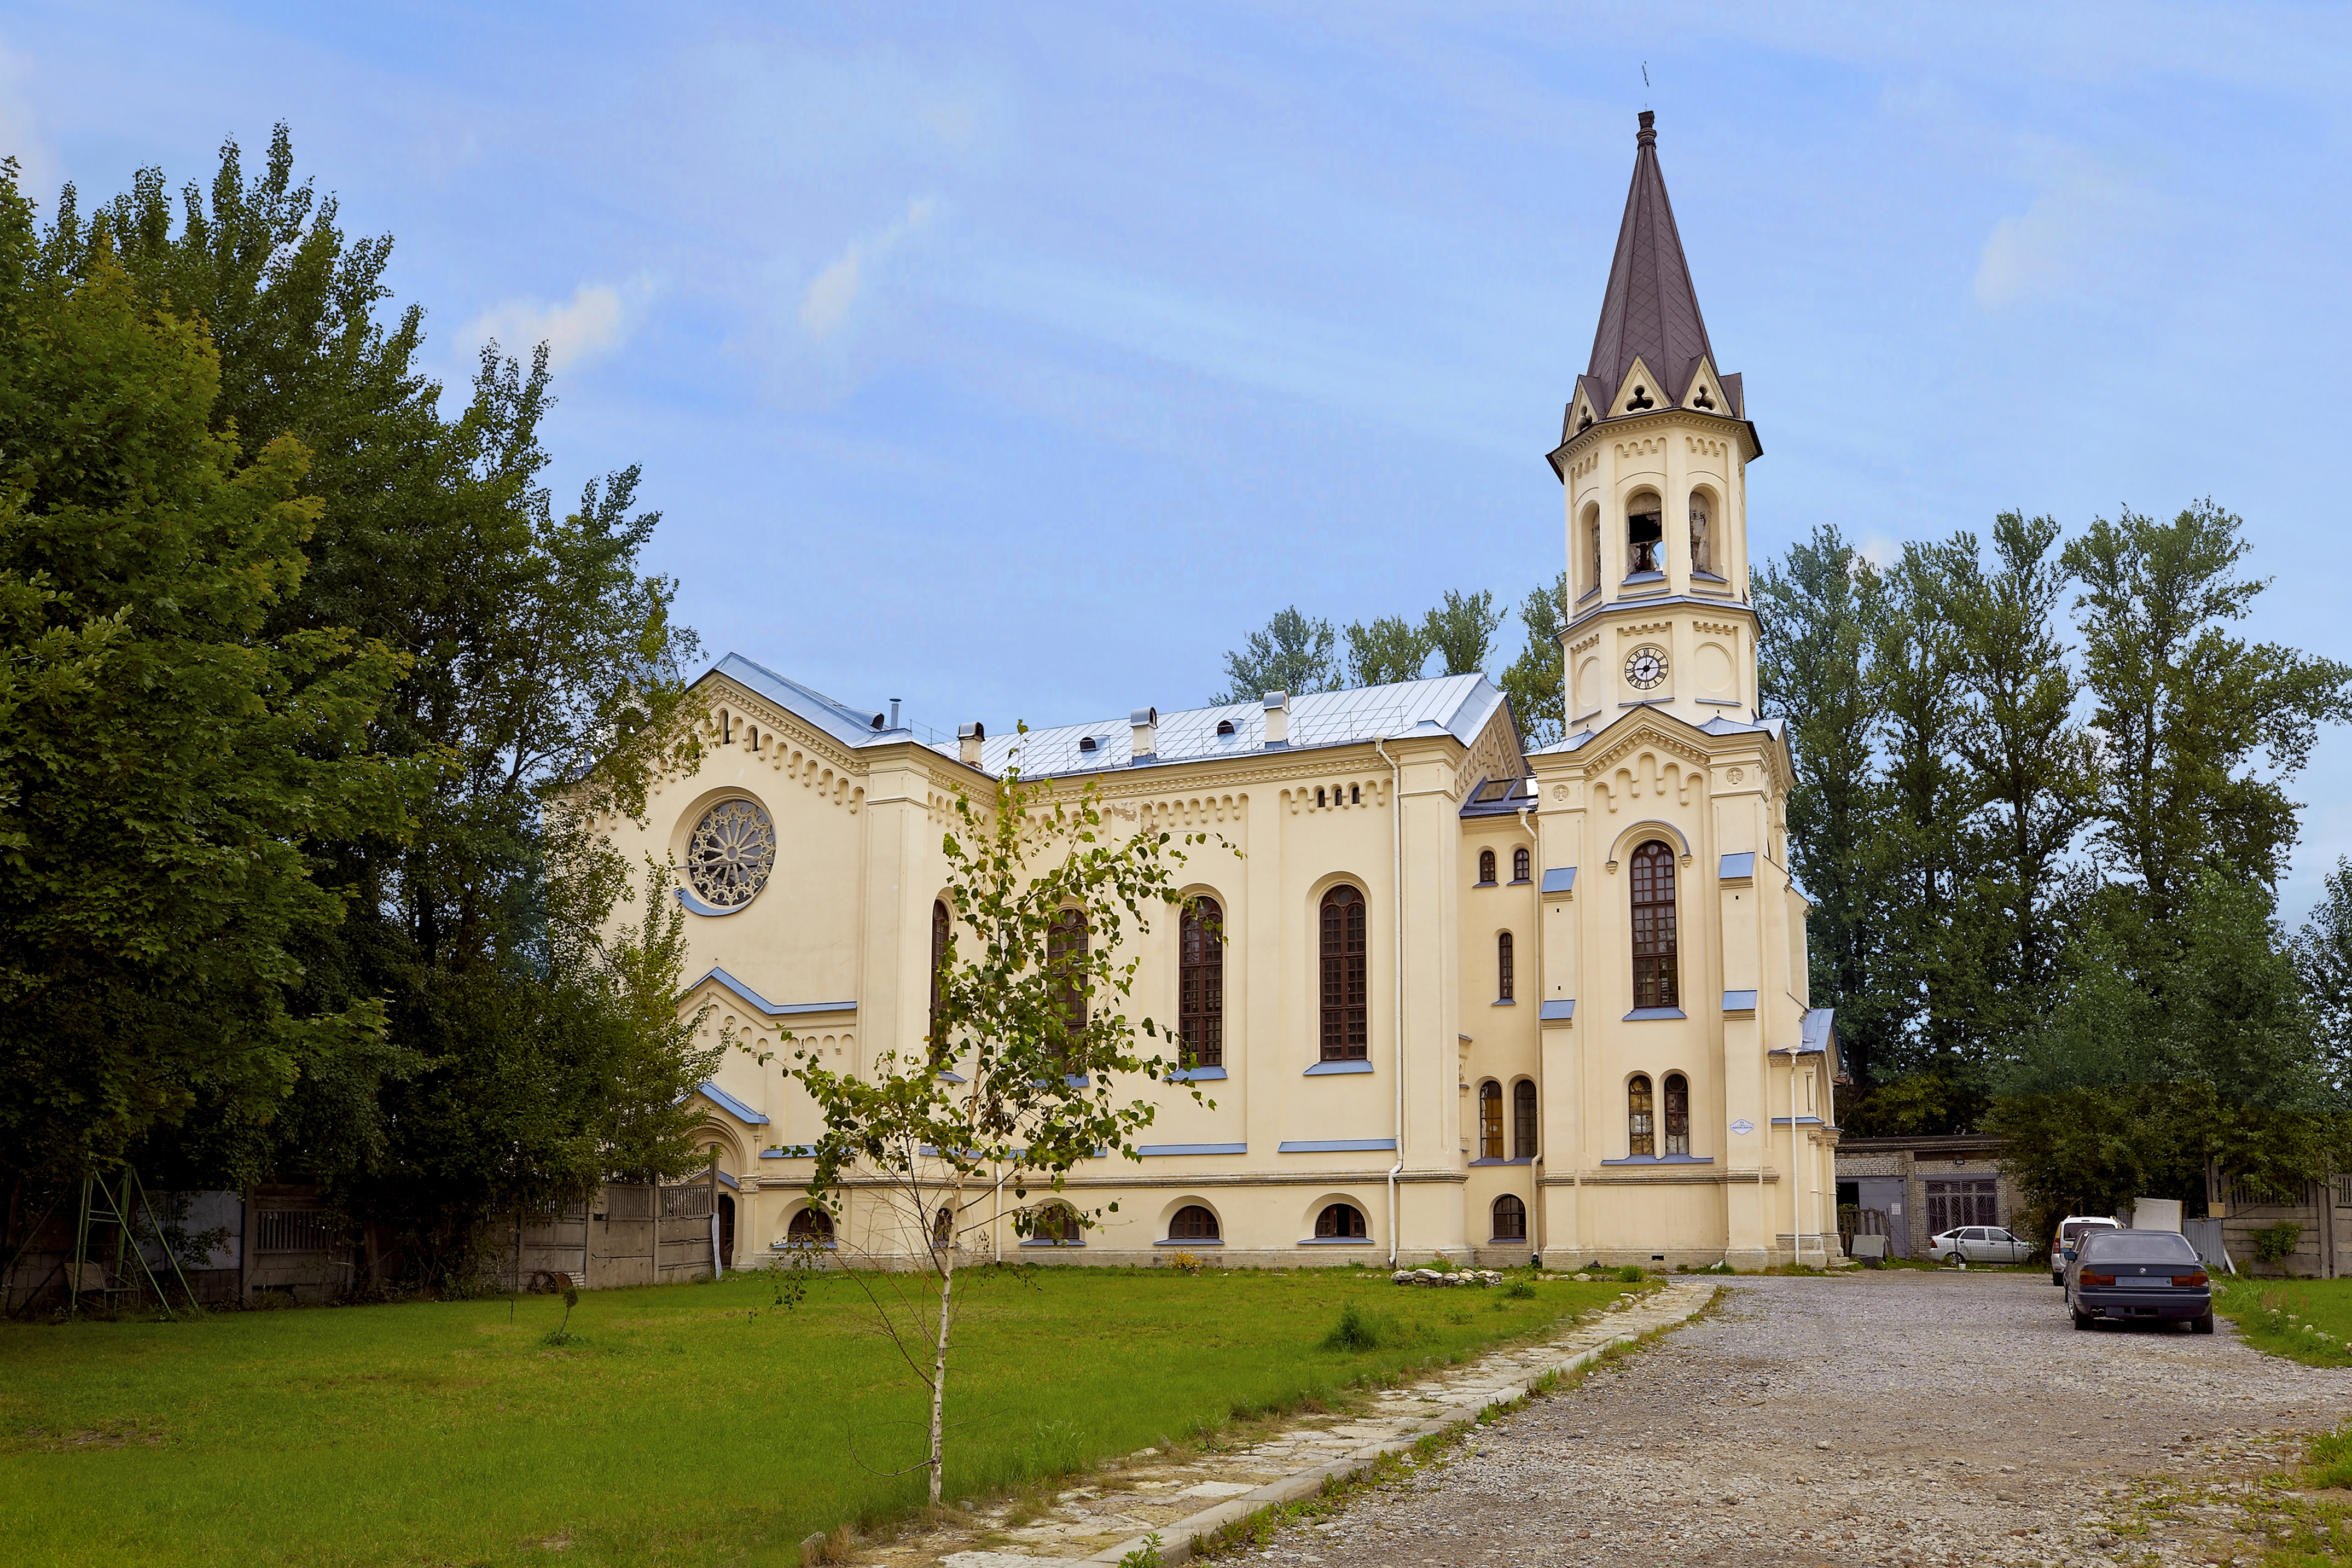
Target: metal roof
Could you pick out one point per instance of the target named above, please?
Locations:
(850, 726)
(1650, 310)
(1458, 705)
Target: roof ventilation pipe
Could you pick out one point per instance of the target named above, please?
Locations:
(1146, 722)
(969, 738)
(1277, 719)
(894, 712)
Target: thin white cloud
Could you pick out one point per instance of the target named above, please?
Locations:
(596, 319)
(834, 292)
(2063, 241)
(20, 131)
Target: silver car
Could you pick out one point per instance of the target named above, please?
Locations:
(1979, 1244)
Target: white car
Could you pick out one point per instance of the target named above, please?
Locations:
(1979, 1244)
(2068, 1236)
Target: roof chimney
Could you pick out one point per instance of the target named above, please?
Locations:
(1277, 719)
(1146, 722)
(894, 712)
(968, 743)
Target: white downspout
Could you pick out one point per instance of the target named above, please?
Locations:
(1396, 836)
(1535, 1181)
(1796, 1201)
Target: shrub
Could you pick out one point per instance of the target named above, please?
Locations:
(2276, 1243)
(1357, 1329)
(1518, 1289)
(1631, 1274)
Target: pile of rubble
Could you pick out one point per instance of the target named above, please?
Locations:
(1446, 1277)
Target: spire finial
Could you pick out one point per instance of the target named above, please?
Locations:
(1648, 135)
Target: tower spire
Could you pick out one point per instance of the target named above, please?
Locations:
(1650, 310)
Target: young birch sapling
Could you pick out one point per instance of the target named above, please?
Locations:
(1029, 1064)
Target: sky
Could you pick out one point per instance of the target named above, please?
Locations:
(1017, 361)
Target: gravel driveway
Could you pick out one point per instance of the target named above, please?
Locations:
(1895, 1417)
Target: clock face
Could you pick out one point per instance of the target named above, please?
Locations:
(1646, 667)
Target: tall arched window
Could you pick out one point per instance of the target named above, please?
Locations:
(1640, 1124)
(1523, 1120)
(1655, 980)
(1065, 950)
(1702, 548)
(1485, 867)
(1346, 1036)
(1510, 1219)
(1340, 1221)
(1593, 556)
(943, 1227)
(1490, 1121)
(1194, 1223)
(1520, 864)
(1503, 976)
(1677, 1114)
(939, 960)
(1200, 985)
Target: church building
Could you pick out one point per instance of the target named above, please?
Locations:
(1456, 997)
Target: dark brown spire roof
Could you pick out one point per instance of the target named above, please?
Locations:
(1651, 310)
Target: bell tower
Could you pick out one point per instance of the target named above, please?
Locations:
(1653, 454)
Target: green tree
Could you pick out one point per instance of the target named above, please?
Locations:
(2184, 709)
(1386, 649)
(1812, 668)
(2323, 957)
(1293, 654)
(1035, 1027)
(1462, 630)
(543, 688)
(170, 764)
(1537, 681)
(2029, 763)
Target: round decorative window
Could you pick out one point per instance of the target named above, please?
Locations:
(731, 852)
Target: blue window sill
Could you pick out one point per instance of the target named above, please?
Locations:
(952, 1077)
(798, 1151)
(1801, 1122)
(1524, 1161)
(1060, 1243)
(1560, 1009)
(1482, 884)
(1196, 1075)
(1740, 1001)
(1644, 578)
(1337, 1146)
(1165, 1150)
(793, 1245)
(1335, 1241)
(1507, 1241)
(1506, 1001)
(1321, 1069)
(1663, 1160)
(1194, 1241)
(1521, 881)
(1640, 1012)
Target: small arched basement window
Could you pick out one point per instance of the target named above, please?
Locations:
(1641, 1119)
(1057, 1224)
(1194, 1223)
(1510, 1219)
(810, 1227)
(1340, 1221)
(1490, 1121)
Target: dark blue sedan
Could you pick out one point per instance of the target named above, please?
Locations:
(2138, 1276)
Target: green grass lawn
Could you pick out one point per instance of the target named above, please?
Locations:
(696, 1423)
(2271, 1315)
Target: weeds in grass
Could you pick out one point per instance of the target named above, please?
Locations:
(1359, 1330)
(1631, 1274)
(1519, 1290)
(1144, 1556)
(2328, 1457)
(562, 1336)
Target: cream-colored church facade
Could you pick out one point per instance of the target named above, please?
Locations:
(1567, 1012)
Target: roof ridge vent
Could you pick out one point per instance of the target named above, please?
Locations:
(1277, 720)
(1145, 722)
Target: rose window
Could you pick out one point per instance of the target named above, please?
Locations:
(731, 853)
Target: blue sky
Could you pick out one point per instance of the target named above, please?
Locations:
(1016, 362)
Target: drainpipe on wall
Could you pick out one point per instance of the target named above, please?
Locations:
(1535, 1180)
(1396, 837)
(1796, 1221)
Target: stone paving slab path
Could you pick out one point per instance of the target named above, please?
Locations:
(1153, 1493)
